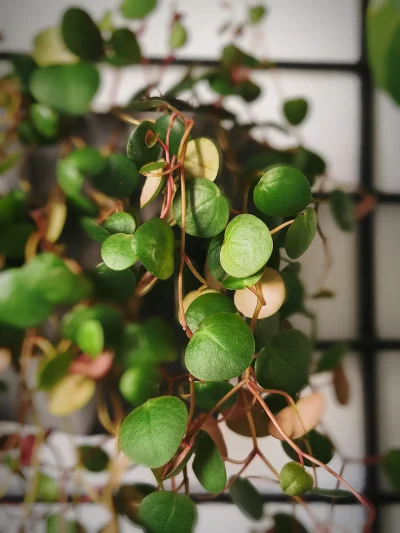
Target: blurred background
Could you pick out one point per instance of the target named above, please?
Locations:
(318, 48)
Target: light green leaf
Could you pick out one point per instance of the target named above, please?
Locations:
(139, 383)
(207, 209)
(256, 14)
(153, 245)
(49, 48)
(247, 498)
(45, 120)
(207, 305)
(137, 9)
(202, 159)
(301, 233)
(178, 35)
(81, 35)
(295, 480)
(168, 512)
(90, 337)
(221, 349)
(53, 369)
(247, 246)
(240, 283)
(117, 253)
(151, 167)
(151, 434)
(208, 465)
(342, 209)
(282, 192)
(120, 223)
(57, 522)
(46, 489)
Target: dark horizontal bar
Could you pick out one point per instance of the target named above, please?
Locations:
(361, 344)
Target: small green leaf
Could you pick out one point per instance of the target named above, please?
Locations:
(286, 523)
(309, 163)
(49, 49)
(247, 498)
(342, 209)
(295, 480)
(295, 110)
(202, 159)
(391, 468)
(256, 14)
(240, 283)
(151, 167)
(221, 349)
(176, 132)
(233, 56)
(208, 394)
(153, 245)
(247, 246)
(57, 522)
(68, 89)
(137, 9)
(168, 512)
(294, 302)
(213, 257)
(139, 383)
(46, 489)
(93, 458)
(151, 434)
(120, 178)
(81, 34)
(129, 496)
(45, 120)
(178, 35)
(331, 493)
(120, 223)
(301, 233)
(94, 230)
(90, 337)
(314, 443)
(207, 305)
(126, 47)
(282, 192)
(117, 253)
(207, 209)
(137, 150)
(284, 363)
(208, 465)
(332, 357)
(117, 286)
(53, 369)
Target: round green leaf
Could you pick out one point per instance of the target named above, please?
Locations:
(342, 209)
(139, 383)
(153, 245)
(93, 458)
(137, 150)
(53, 369)
(285, 361)
(81, 34)
(88, 160)
(247, 246)
(295, 480)
(301, 233)
(109, 318)
(256, 14)
(265, 329)
(49, 48)
(286, 523)
(151, 434)
(119, 180)
(45, 120)
(178, 35)
(318, 445)
(57, 523)
(206, 305)
(391, 467)
(207, 209)
(126, 47)
(90, 337)
(94, 230)
(137, 9)
(295, 110)
(113, 285)
(247, 498)
(282, 192)
(46, 489)
(202, 159)
(208, 465)
(208, 394)
(309, 163)
(168, 512)
(117, 253)
(176, 133)
(129, 496)
(68, 89)
(120, 223)
(213, 257)
(240, 283)
(221, 349)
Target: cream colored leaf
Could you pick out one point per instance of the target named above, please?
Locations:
(202, 159)
(57, 215)
(49, 48)
(151, 188)
(5, 359)
(70, 394)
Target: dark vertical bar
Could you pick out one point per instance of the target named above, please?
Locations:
(366, 279)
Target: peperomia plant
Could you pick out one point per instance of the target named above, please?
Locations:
(181, 322)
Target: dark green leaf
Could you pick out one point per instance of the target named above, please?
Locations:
(301, 233)
(153, 245)
(206, 305)
(247, 246)
(295, 110)
(129, 496)
(233, 57)
(208, 465)
(13, 240)
(213, 257)
(151, 434)
(265, 329)
(331, 493)
(45, 120)
(176, 133)
(139, 383)
(113, 285)
(93, 458)
(53, 369)
(120, 223)
(117, 253)
(90, 337)
(284, 363)
(282, 192)
(248, 90)
(332, 357)
(221, 349)
(391, 467)
(342, 209)
(309, 163)
(68, 89)
(314, 443)
(137, 150)
(126, 47)
(137, 9)
(295, 480)
(119, 180)
(247, 498)
(208, 394)
(294, 302)
(168, 512)
(24, 65)
(286, 523)
(94, 230)
(81, 35)
(12, 208)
